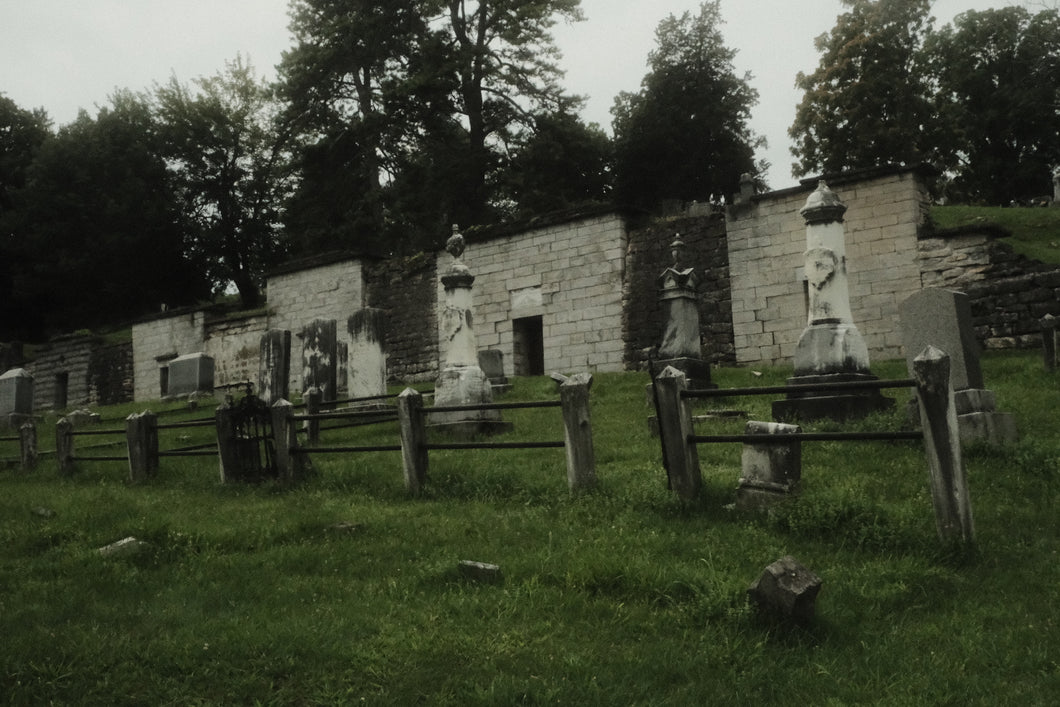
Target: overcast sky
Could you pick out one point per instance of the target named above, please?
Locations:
(63, 55)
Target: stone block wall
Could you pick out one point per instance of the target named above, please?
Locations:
(570, 273)
(61, 373)
(1006, 311)
(405, 289)
(767, 238)
(159, 340)
(235, 346)
(647, 255)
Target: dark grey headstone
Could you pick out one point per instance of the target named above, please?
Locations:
(943, 319)
(274, 366)
(320, 357)
(491, 361)
(192, 373)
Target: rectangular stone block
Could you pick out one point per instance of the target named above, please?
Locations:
(943, 319)
(191, 373)
(319, 357)
(16, 392)
(274, 367)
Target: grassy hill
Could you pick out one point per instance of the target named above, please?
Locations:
(345, 590)
(1035, 231)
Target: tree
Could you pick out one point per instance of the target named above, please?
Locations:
(346, 86)
(563, 163)
(997, 93)
(232, 166)
(22, 133)
(684, 136)
(102, 237)
(866, 103)
(416, 101)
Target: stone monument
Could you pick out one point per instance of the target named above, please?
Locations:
(830, 349)
(366, 367)
(16, 397)
(190, 374)
(274, 366)
(680, 345)
(320, 357)
(461, 380)
(943, 319)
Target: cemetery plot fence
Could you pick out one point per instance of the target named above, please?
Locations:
(578, 440)
(65, 453)
(939, 433)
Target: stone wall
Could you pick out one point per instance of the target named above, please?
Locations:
(565, 280)
(647, 255)
(61, 373)
(1005, 311)
(235, 346)
(404, 288)
(886, 210)
(157, 341)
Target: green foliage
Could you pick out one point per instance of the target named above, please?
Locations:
(231, 167)
(344, 589)
(684, 136)
(867, 102)
(997, 98)
(1035, 231)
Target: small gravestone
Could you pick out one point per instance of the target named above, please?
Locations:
(491, 361)
(16, 396)
(320, 357)
(190, 374)
(943, 319)
(83, 417)
(771, 471)
(366, 364)
(786, 590)
(274, 366)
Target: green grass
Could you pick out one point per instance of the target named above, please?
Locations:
(346, 590)
(1035, 231)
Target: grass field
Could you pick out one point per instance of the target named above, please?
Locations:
(1035, 231)
(345, 590)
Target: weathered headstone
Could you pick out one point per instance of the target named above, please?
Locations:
(830, 349)
(943, 319)
(190, 374)
(16, 396)
(274, 366)
(770, 471)
(366, 367)
(319, 357)
(461, 381)
(491, 361)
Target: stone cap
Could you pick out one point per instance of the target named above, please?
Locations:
(823, 206)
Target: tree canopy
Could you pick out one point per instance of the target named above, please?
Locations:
(866, 104)
(684, 136)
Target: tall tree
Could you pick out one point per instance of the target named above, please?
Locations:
(684, 136)
(22, 133)
(997, 90)
(346, 89)
(232, 165)
(103, 235)
(866, 103)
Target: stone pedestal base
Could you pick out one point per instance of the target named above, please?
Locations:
(465, 385)
(977, 417)
(847, 405)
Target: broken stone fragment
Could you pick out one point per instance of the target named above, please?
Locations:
(786, 590)
(126, 547)
(481, 572)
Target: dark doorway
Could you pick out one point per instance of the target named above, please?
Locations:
(528, 347)
(62, 389)
(163, 381)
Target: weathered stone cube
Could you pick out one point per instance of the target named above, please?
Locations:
(192, 373)
(786, 590)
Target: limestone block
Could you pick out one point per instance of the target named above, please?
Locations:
(786, 590)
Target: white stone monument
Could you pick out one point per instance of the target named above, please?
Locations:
(680, 345)
(830, 349)
(461, 380)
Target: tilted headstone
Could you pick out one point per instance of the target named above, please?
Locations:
(943, 319)
(16, 393)
(274, 366)
(191, 373)
(366, 365)
(319, 357)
